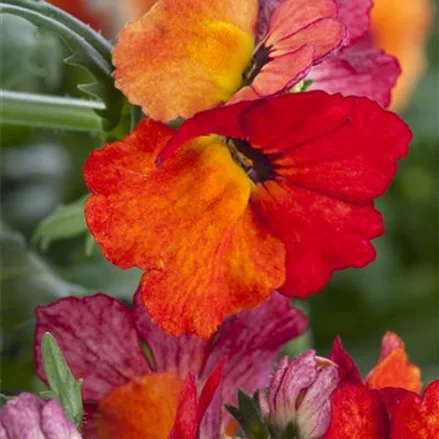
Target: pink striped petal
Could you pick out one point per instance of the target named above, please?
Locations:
(301, 34)
(98, 339)
(360, 70)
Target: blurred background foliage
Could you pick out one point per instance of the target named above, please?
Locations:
(42, 169)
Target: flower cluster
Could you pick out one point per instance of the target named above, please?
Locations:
(251, 179)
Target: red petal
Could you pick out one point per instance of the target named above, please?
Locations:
(357, 412)
(98, 339)
(416, 417)
(186, 421)
(347, 368)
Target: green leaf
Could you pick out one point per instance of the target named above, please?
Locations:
(65, 221)
(249, 416)
(89, 50)
(62, 383)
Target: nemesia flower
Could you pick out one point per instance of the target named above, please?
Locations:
(130, 395)
(282, 199)
(386, 403)
(182, 57)
(298, 395)
(392, 370)
(401, 28)
(28, 417)
(360, 67)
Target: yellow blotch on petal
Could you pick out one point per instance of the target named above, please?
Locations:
(183, 57)
(141, 409)
(401, 27)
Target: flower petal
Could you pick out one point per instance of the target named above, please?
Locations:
(250, 341)
(289, 382)
(355, 14)
(394, 368)
(416, 417)
(330, 164)
(98, 339)
(182, 57)
(357, 412)
(347, 368)
(143, 408)
(181, 354)
(207, 254)
(301, 33)
(186, 420)
(359, 70)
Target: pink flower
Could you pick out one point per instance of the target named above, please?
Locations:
(102, 341)
(358, 67)
(298, 395)
(28, 417)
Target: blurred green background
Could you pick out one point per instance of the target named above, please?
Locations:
(41, 169)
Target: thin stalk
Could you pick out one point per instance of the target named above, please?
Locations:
(17, 108)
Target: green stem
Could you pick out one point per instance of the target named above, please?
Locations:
(36, 110)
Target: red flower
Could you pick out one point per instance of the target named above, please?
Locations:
(281, 200)
(128, 394)
(385, 406)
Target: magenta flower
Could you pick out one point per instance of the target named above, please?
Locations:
(102, 341)
(298, 395)
(28, 417)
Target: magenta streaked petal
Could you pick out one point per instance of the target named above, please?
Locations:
(360, 70)
(249, 342)
(98, 338)
(180, 354)
(28, 417)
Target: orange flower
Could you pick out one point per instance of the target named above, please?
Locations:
(401, 27)
(245, 199)
(392, 370)
(183, 57)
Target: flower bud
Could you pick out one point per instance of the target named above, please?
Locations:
(297, 398)
(28, 417)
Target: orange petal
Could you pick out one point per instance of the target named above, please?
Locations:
(183, 57)
(394, 368)
(188, 222)
(144, 408)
